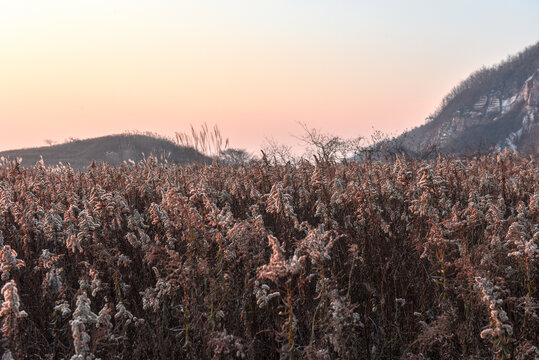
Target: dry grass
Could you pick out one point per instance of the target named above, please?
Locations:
(410, 259)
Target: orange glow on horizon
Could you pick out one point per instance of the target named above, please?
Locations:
(85, 69)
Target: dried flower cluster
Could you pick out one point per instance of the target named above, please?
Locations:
(400, 259)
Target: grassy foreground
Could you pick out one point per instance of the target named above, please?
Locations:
(410, 259)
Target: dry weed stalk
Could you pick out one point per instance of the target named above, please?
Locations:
(272, 259)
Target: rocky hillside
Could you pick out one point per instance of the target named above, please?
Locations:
(113, 149)
(495, 108)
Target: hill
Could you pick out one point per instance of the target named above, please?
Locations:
(493, 109)
(113, 149)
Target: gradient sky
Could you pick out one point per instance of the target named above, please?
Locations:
(86, 68)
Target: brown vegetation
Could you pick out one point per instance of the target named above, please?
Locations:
(409, 259)
(113, 149)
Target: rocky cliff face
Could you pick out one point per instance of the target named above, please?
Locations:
(529, 125)
(499, 111)
(518, 113)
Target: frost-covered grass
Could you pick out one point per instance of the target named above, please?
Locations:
(407, 259)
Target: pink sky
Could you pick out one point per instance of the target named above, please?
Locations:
(90, 68)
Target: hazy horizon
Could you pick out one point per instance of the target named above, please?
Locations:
(86, 69)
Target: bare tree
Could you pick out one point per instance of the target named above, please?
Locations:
(279, 153)
(235, 156)
(329, 147)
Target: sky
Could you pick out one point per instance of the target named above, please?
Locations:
(256, 69)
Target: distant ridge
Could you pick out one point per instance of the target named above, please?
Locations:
(495, 108)
(113, 149)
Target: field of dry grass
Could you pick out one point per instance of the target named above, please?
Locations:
(408, 259)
